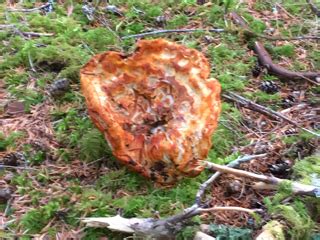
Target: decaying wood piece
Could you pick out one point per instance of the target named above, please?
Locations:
(265, 59)
(156, 108)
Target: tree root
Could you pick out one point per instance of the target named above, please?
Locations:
(265, 59)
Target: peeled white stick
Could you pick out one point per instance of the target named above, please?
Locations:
(298, 188)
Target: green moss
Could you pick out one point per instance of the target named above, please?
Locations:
(256, 25)
(229, 67)
(297, 216)
(177, 21)
(153, 11)
(272, 100)
(307, 169)
(315, 56)
(224, 138)
(36, 219)
(302, 137)
(99, 39)
(284, 50)
(93, 146)
(10, 141)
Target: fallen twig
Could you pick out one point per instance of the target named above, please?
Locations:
(314, 8)
(298, 190)
(265, 59)
(263, 110)
(218, 30)
(17, 167)
(232, 164)
(30, 9)
(302, 189)
(15, 30)
(156, 228)
(237, 209)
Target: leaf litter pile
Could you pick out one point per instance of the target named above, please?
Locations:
(56, 167)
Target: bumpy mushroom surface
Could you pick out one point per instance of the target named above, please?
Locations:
(156, 108)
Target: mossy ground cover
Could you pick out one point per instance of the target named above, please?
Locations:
(74, 175)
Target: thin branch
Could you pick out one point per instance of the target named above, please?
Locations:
(218, 30)
(16, 30)
(30, 9)
(314, 8)
(35, 34)
(246, 103)
(17, 168)
(157, 228)
(297, 187)
(298, 190)
(229, 208)
(5, 26)
(232, 164)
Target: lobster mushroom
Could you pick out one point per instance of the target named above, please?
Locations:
(157, 108)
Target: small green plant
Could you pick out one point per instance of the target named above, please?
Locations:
(99, 39)
(224, 138)
(296, 215)
(284, 50)
(307, 169)
(93, 146)
(178, 21)
(36, 219)
(9, 141)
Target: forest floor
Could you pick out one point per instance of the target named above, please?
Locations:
(56, 167)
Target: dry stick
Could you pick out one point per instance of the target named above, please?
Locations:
(266, 61)
(295, 190)
(218, 30)
(232, 164)
(17, 167)
(15, 30)
(157, 228)
(296, 187)
(238, 209)
(314, 8)
(35, 34)
(263, 110)
(28, 10)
